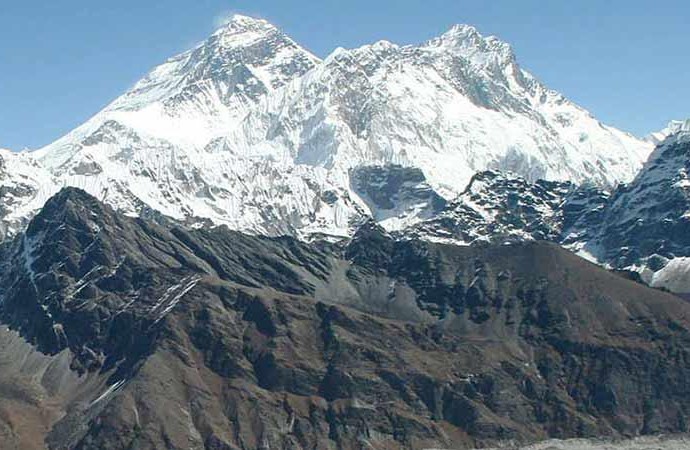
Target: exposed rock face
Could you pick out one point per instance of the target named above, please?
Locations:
(499, 207)
(640, 227)
(397, 196)
(647, 223)
(215, 339)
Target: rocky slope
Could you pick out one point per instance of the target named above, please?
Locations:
(176, 338)
(503, 207)
(250, 130)
(646, 223)
(639, 227)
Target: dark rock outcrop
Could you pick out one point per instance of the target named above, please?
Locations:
(213, 339)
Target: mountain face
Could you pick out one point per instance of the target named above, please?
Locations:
(674, 127)
(158, 336)
(646, 225)
(250, 130)
(24, 187)
(440, 316)
(452, 106)
(498, 207)
(640, 227)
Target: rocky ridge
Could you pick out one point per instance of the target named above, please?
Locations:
(216, 339)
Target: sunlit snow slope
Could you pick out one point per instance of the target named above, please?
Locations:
(250, 130)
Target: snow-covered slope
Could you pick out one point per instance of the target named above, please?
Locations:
(196, 96)
(642, 227)
(452, 106)
(673, 127)
(24, 188)
(250, 130)
(646, 226)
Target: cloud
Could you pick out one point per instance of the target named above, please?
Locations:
(223, 18)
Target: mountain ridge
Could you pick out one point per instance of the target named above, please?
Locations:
(216, 339)
(250, 130)
(639, 227)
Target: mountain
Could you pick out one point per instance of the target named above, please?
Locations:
(451, 106)
(252, 131)
(673, 127)
(646, 224)
(155, 335)
(25, 186)
(497, 207)
(641, 227)
(500, 207)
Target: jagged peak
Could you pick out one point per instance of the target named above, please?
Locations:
(676, 132)
(68, 202)
(244, 20)
(238, 24)
(71, 193)
(469, 42)
(243, 31)
(461, 39)
(377, 50)
(461, 30)
(674, 127)
(378, 47)
(241, 40)
(678, 126)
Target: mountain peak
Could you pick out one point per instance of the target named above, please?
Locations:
(673, 128)
(462, 30)
(468, 42)
(678, 126)
(249, 118)
(241, 19)
(70, 203)
(243, 31)
(239, 23)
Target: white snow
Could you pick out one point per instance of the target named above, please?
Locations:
(674, 276)
(673, 127)
(172, 297)
(108, 392)
(249, 130)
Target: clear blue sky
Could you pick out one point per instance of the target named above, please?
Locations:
(61, 61)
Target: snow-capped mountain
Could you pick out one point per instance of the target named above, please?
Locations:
(24, 187)
(250, 130)
(197, 96)
(504, 207)
(673, 127)
(642, 227)
(452, 106)
(646, 225)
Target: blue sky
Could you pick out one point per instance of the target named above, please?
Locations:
(61, 61)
